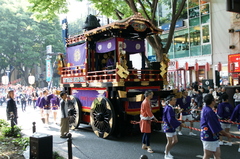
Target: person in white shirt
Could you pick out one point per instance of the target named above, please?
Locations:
(236, 96)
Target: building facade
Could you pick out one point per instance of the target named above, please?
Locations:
(205, 35)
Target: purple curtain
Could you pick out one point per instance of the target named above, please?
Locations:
(86, 96)
(106, 46)
(76, 55)
(130, 46)
(134, 46)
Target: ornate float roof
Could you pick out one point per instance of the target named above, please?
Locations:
(139, 25)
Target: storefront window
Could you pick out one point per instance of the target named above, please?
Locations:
(181, 43)
(194, 22)
(195, 41)
(205, 18)
(194, 12)
(195, 50)
(193, 3)
(164, 42)
(150, 50)
(206, 49)
(195, 38)
(171, 52)
(204, 9)
(205, 34)
(165, 12)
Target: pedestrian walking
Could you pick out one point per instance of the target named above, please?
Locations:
(236, 97)
(40, 106)
(11, 107)
(64, 130)
(210, 129)
(54, 101)
(236, 117)
(170, 125)
(34, 98)
(146, 116)
(224, 112)
(185, 104)
(45, 105)
(23, 98)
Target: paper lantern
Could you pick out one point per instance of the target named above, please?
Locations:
(31, 79)
(219, 66)
(207, 67)
(186, 66)
(196, 67)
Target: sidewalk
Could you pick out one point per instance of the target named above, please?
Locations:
(25, 121)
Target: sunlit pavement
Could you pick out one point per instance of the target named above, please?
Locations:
(87, 145)
(26, 119)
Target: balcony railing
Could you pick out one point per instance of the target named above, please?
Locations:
(109, 75)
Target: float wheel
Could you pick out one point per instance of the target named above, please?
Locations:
(102, 117)
(74, 112)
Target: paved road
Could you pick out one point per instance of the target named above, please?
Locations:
(86, 145)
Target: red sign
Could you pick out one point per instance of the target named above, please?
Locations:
(234, 63)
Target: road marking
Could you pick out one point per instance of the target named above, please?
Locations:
(200, 156)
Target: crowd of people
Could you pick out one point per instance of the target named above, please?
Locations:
(48, 101)
(210, 106)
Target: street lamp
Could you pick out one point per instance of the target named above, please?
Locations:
(31, 80)
(5, 80)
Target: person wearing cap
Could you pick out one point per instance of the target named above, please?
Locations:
(11, 107)
(170, 125)
(185, 105)
(211, 129)
(64, 115)
(146, 116)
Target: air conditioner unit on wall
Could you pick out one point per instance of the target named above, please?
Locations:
(233, 6)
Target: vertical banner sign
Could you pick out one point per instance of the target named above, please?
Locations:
(64, 32)
(48, 70)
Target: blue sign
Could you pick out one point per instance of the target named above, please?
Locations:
(152, 58)
(179, 23)
(48, 70)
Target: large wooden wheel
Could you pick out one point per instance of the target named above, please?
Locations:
(102, 117)
(74, 112)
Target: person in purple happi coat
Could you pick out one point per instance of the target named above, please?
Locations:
(170, 125)
(211, 129)
(236, 117)
(54, 101)
(185, 105)
(45, 105)
(224, 112)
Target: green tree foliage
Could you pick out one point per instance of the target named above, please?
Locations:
(122, 9)
(23, 40)
(48, 9)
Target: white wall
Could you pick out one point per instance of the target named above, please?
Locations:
(221, 22)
